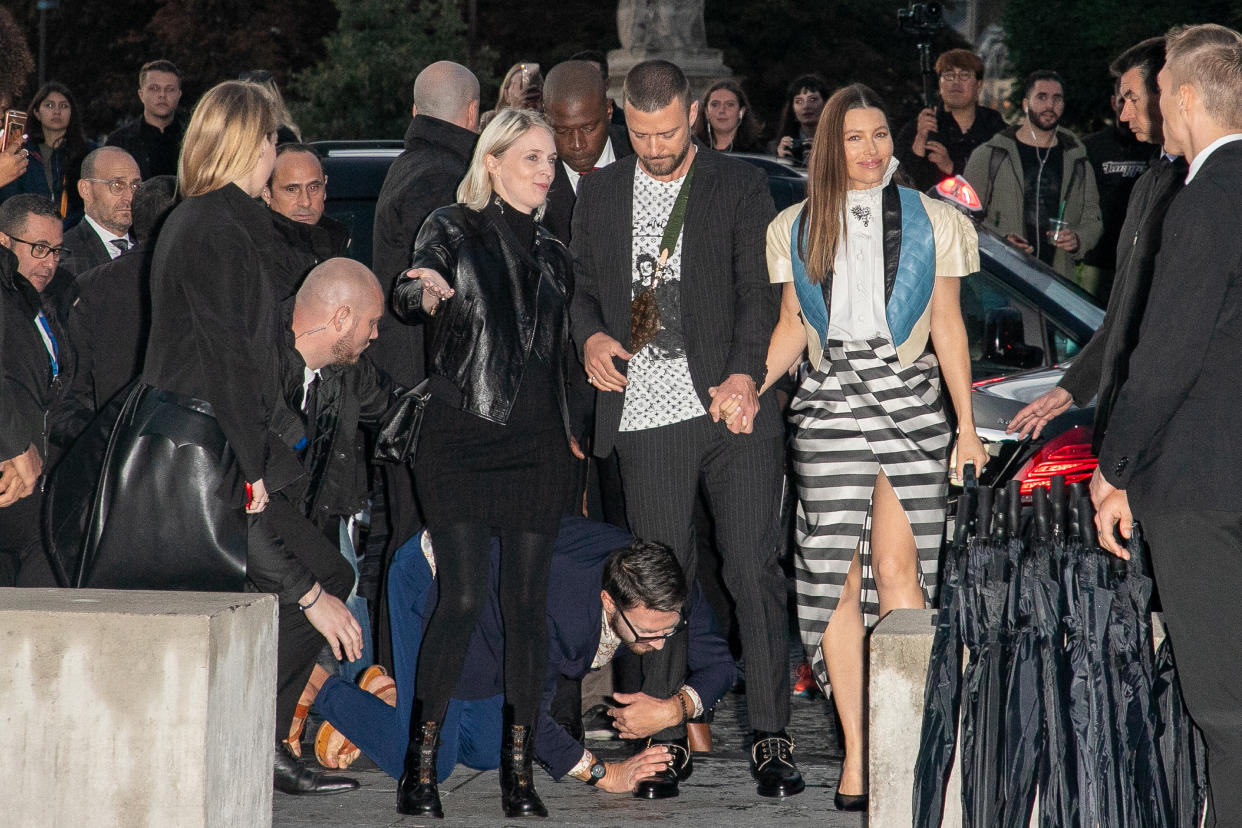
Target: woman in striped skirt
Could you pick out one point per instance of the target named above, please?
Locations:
(870, 275)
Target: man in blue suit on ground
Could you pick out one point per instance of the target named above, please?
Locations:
(606, 590)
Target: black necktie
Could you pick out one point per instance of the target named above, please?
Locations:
(120, 244)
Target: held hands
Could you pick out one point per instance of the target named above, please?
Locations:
(19, 476)
(623, 777)
(597, 354)
(1039, 412)
(435, 288)
(640, 715)
(736, 401)
(335, 622)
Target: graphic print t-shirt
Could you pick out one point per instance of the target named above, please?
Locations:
(660, 391)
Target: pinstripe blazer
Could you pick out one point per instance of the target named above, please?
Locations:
(729, 309)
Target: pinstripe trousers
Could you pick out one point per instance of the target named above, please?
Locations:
(661, 470)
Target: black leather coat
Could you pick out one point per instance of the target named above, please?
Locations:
(480, 337)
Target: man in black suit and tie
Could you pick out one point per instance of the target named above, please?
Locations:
(576, 106)
(1099, 370)
(109, 177)
(1171, 453)
(702, 217)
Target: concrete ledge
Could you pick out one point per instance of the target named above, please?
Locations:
(900, 649)
(137, 708)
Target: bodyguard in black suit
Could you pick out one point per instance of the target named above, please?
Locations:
(1171, 451)
(656, 406)
(1100, 369)
(109, 178)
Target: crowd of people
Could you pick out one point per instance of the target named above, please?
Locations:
(570, 347)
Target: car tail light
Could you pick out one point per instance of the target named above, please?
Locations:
(958, 191)
(989, 381)
(1068, 454)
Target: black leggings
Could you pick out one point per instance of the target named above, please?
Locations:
(462, 553)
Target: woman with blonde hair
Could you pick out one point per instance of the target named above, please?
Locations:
(491, 287)
(870, 273)
(192, 478)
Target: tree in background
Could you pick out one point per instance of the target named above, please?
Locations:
(96, 47)
(1078, 39)
(363, 85)
(849, 41)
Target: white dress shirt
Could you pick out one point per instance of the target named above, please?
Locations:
(605, 158)
(858, 310)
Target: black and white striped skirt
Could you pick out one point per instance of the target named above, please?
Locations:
(859, 414)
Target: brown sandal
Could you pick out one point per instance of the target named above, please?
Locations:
(332, 748)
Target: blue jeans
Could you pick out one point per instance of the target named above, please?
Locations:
(471, 730)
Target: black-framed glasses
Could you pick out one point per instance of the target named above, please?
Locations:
(639, 638)
(116, 186)
(40, 250)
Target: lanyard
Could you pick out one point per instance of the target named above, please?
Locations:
(49, 342)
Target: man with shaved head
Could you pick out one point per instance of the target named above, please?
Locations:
(329, 392)
(438, 146)
(577, 107)
(109, 178)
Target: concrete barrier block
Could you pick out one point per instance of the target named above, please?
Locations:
(137, 708)
(900, 650)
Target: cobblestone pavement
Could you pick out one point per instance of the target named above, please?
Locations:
(720, 793)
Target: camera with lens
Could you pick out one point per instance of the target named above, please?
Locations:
(800, 150)
(921, 19)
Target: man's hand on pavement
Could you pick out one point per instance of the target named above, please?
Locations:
(623, 777)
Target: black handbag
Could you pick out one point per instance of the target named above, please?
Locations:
(398, 434)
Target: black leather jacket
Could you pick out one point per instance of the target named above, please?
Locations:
(480, 338)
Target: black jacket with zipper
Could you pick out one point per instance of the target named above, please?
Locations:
(478, 341)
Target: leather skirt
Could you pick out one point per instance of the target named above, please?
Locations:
(168, 509)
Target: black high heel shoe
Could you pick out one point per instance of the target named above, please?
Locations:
(850, 802)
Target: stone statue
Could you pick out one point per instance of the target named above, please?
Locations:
(661, 25)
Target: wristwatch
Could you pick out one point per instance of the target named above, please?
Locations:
(597, 773)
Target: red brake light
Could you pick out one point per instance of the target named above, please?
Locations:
(959, 191)
(1068, 454)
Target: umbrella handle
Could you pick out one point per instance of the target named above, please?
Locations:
(1060, 509)
(1000, 515)
(1086, 524)
(1043, 513)
(983, 521)
(966, 503)
(1013, 490)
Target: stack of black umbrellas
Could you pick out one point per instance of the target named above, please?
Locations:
(1043, 665)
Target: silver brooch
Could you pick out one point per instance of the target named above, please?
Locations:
(862, 213)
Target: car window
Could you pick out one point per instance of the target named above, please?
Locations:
(1003, 330)
(1064, 347)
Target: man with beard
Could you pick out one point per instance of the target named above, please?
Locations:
(703, 216)
(1101, 367)
(1036, 172)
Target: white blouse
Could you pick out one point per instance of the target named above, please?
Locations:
(858, 307)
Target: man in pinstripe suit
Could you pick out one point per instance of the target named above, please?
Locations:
(659, 406)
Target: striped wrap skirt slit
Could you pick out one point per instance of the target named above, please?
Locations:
(859, 414)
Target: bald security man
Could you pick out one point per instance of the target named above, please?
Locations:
(109, 178)
(577, 107)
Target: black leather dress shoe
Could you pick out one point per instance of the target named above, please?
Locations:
(665, 784)
(772, 765)
(289, 776)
